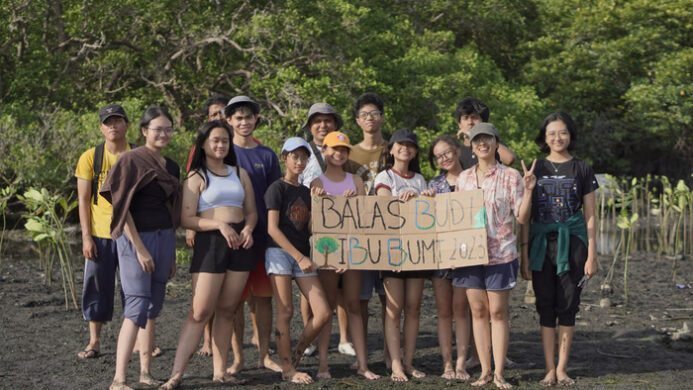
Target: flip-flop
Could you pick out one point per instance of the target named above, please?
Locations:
(88, 354)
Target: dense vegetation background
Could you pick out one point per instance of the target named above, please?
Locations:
(622, 68)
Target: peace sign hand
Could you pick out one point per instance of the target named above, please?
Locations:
(528, 175)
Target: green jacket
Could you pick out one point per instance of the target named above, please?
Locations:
(575, 225)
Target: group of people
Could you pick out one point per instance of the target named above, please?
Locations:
(249, 226)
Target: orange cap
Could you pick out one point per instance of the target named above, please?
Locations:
(336, 138)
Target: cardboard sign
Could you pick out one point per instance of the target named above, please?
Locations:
(383, 233)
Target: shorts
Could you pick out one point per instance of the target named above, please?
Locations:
(497, 277)
(279, 262)
(258, 284)
(443, 273)
(370, 280)
(99, 282)
(406, 274)
(211, 253)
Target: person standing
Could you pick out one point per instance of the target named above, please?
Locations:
(99, 250)
(144, 190)
(471, 111)
(560, 254)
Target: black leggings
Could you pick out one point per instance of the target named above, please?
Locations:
(558, 297)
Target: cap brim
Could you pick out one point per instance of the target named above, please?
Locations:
(112, 115)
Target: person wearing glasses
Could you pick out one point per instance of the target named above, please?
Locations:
(144, 189)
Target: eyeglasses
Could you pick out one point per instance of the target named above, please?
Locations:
(372, 114)
(447, 155)
(167, 130)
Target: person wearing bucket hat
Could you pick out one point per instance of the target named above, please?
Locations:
(321, 120)
(487, 287)
(403, 179)
(99, 250)
(288, 257)
(468, 113)
(262, 165)
(337, 182)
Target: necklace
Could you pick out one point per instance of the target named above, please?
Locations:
(556, 166)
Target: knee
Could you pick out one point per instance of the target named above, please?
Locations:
(479, 311)
(200, 316)
(498, 314)
(412, 309)
(285, 313)
(353, 307)
(321, 317)
(228, 312)
(444, 313)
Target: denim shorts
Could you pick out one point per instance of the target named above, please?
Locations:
(497, 277)
(446, 274)
(370, 280)
(279, 262)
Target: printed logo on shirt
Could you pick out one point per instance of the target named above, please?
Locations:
(299, 214)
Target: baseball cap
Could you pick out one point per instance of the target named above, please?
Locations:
(404, 135)
(241, 99)
(483, 128)
(326, 109)
(336, 138)
(294, 143)
(112, 110)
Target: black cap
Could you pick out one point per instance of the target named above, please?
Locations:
(112, 110)
(404, 135)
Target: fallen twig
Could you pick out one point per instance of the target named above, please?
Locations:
(613, 355)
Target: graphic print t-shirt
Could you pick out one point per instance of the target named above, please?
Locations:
(560, 189)
(293, 204)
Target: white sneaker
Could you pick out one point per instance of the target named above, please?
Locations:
(346, 349)
(310, 350)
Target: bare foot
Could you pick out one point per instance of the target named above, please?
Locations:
(172, 383)
(271, 365)
(449, 373)
(414, 372)
(297, 377)
(564, 380)
(205, 350)
(119, 386)
(229, 380)
(235, 368)
(483, 380)
(462, 375)
(549, 380)
(368, 374)
(500, 382)
(399, 376)
(147, 379)
(324, 375)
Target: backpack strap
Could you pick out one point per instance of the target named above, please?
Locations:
(98, 163)
(318, 156)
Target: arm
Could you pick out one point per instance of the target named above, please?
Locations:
(84, 198)
(524, 252)
(589, 206)
(249, 210)
(143, 255)
(278, 236)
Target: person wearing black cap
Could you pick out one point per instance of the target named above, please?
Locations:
(95, 220)
(403, 289)
(487, 287)
(262, 165)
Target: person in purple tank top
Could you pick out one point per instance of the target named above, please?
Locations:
(335, 181)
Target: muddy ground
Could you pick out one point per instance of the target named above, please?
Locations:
(624, 346)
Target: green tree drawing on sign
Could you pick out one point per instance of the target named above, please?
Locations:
(326, 245)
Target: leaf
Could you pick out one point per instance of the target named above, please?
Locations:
(33, 225)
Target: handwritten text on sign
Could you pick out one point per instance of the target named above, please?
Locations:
(383, 233)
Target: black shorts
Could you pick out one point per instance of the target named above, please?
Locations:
(212, 254)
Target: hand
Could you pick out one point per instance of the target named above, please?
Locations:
(145, 260)
(405, 196)
(89, 248)
(306, 265)
(230, 235)
(340, 271)
(317, 191)
(190, 238)
(174, 268)
(528, 176)
(349, 193)
(246, 237)
(428, 192)
(591, 267)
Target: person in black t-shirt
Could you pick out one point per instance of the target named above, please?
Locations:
(559, 253)
(288, 257)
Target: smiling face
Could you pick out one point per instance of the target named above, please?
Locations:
(557, 136)
(321, 125)
(369, 118)
(484, 147)
(296, 160)
(114, 129)
(337, 155)
(243, 121)
(446, 155)
(404, 151)
(158, 134)
(217, 145)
